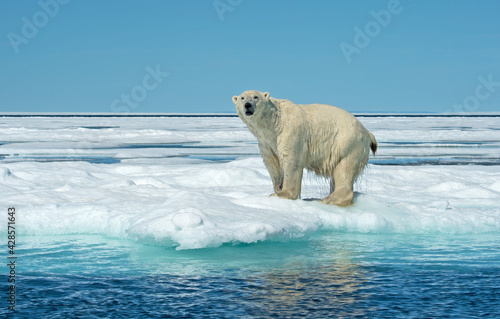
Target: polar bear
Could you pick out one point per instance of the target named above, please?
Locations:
(321, 138)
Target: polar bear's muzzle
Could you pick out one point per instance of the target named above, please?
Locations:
(249, 109)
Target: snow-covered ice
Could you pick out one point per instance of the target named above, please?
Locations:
(200, 182)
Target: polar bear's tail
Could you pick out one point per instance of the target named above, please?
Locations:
(373, 144)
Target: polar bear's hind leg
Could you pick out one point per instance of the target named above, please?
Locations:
(343, 179)
(344, 175)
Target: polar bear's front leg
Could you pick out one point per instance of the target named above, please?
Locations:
(291, 154)
(273, 166)
(292, 179)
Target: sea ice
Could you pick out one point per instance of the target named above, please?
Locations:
(171, 196)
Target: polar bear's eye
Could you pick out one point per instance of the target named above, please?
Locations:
(256, 97)
(242, 98)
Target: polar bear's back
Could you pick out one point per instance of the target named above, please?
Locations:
(328, 113)
(334, 133)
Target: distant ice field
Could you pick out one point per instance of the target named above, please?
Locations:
(402, 140)
(200, 182)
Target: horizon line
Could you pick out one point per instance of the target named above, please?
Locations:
(227, 114)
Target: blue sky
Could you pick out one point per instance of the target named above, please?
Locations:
(193, 56)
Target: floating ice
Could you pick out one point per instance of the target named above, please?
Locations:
(167, 197)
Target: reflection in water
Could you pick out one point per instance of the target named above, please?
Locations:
(333, 287)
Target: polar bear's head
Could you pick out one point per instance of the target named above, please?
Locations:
(250, 102)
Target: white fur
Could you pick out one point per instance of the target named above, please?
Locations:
(319, 137)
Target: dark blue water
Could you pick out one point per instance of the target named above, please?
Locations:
(330, 275)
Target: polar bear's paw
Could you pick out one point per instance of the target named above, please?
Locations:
(285, 194)
(340, 197)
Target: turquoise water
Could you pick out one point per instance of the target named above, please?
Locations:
(332, 274)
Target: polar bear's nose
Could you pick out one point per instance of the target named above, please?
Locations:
(248, 105)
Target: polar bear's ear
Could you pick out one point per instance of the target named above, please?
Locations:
(235, 98)
(266, 95)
